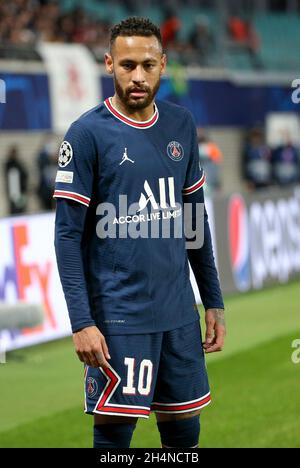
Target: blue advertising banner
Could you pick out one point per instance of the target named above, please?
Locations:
(212, 102)
(223, 103)
(27, 103)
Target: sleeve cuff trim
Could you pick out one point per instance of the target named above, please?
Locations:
(72, 196)
(195, 187)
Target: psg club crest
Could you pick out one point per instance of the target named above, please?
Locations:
(65, 154)
(92, 387)
(175, 151)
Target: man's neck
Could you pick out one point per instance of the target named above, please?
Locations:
(140, 115)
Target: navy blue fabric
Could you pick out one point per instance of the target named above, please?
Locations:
(129, 285)
(202, 260)
(69, 232)
(174, 364)
(180, 433)
(113, 435)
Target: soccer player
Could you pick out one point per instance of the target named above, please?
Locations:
(125, 276)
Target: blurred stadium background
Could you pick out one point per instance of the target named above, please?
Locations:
(236, 66)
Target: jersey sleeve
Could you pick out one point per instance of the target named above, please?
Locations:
(195, 177)
(76, 161)
(69, 226)
(202, 261)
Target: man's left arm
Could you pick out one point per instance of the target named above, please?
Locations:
(201, 258)
(203, 265)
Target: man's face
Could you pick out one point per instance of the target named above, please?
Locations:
(137, 64)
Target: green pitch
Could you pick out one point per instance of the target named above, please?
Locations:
(255, 385)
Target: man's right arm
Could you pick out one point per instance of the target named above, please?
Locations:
(89, 343)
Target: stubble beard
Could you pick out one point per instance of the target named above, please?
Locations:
(136, 104)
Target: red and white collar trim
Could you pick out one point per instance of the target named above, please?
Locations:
(133, 123)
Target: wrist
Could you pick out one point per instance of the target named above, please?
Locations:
(218, 309)
(79, 328)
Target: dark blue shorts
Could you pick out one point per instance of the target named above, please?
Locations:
(162, 372)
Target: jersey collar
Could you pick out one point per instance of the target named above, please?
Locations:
(132, 123)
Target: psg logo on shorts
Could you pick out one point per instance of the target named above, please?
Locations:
(92, 387)
(65, 154)
(175, 151)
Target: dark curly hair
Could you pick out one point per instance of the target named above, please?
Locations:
(134, 26)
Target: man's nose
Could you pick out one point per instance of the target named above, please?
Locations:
(138, 75)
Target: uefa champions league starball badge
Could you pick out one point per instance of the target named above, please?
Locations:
(65, 154)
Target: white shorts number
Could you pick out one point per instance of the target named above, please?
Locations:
(145, 377)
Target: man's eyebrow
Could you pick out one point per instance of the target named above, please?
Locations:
(150, 60)
(127, 60)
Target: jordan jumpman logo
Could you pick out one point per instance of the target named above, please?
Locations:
(125, 158)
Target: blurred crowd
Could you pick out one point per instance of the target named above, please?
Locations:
(30, 21)
(262, 167)
(26, 22)
(16, 175)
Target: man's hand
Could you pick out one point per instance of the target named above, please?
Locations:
(91, 347)
(215, 330)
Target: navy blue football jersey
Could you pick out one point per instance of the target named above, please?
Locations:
(133, 177)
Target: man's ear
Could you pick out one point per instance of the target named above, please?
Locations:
(163, 64)
(109, 65)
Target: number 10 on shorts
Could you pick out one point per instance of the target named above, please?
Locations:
(145, 374)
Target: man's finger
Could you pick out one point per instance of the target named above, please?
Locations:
(93, 360)
(102, 362)
(80, 357)
(105, 349)
(209, 336)
(209, 344)
(87, 360)
(220, 341)
(216, 346)
(213, 349)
